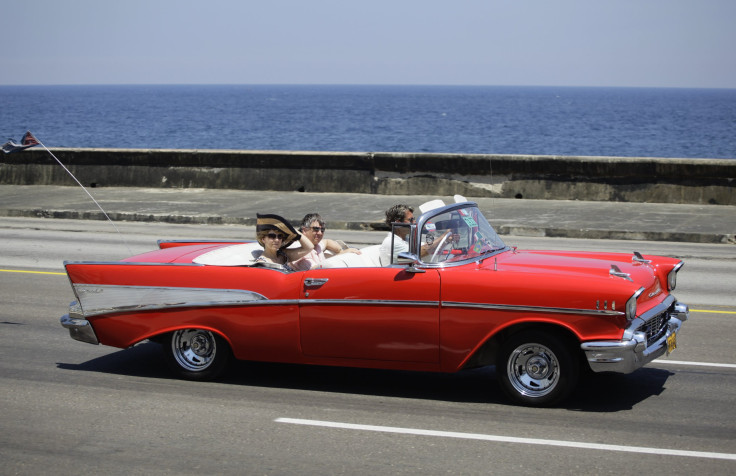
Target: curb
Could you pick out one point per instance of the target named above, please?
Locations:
(506, 230)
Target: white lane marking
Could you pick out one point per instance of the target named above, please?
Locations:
(509, 439)
(701, 364)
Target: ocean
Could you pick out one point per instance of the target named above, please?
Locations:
(625, 122)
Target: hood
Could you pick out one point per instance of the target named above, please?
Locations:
(584, 264)
(576, 279)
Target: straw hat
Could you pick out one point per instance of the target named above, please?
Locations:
(267, 222)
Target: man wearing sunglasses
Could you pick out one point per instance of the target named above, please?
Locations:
(313, 227)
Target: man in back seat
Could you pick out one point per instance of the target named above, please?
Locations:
(313, 227)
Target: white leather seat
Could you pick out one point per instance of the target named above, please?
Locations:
(368, 258)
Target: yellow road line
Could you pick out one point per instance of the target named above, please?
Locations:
(30, 272)
(713, 312)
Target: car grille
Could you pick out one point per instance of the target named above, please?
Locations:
(655, 327)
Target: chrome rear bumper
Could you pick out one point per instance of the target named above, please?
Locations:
(79, 329)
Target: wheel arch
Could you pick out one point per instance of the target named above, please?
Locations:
(487, 353)
(161, 334)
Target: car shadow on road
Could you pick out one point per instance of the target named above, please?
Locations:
(615, 392)
(147, 360)
(595, 392)
(470, 386)
(143, 360)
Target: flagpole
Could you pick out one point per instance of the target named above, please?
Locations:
(87, 192)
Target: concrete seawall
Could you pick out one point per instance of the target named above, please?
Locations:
(622, 179)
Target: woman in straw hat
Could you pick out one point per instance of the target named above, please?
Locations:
(275, 234)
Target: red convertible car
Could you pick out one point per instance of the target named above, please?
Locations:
(458, 299)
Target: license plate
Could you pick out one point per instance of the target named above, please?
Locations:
(671, 342)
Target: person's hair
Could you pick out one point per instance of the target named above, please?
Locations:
(312, 217)
(396, 213)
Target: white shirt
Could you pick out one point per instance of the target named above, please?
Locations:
(385, 250)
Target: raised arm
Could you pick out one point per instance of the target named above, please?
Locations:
(293, 254)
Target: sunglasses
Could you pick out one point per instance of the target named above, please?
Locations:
(275, 236)
(317, 229)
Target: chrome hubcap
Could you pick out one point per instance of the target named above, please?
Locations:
(533, 370)
(194, 349)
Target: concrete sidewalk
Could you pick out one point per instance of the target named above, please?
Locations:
(553, 218)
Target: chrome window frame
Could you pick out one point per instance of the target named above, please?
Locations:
(415, 237)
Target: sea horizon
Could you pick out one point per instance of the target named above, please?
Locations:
(622, 121)
(373, 85)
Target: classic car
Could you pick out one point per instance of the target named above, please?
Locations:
(459, 298)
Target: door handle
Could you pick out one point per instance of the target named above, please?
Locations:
(315, 282)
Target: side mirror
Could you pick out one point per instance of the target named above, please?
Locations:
(405, 258)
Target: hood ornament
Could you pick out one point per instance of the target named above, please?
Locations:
(616, 271)
(638, 258)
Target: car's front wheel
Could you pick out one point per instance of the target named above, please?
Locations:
(537, 368)
(196, 354)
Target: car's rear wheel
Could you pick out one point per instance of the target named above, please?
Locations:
(196, 354)
(537, 368)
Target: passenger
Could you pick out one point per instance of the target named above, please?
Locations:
(313, 227)
(275, 234)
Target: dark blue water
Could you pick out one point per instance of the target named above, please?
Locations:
(626, 122)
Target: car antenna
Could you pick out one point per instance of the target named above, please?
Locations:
(29, 140)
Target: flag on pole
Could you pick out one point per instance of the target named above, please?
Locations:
(27, 141)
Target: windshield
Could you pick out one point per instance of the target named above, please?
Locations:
(460, 234)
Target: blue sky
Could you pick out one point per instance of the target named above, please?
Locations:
(648, 43)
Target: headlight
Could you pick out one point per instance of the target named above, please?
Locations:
(672, 280)
(672, 277)
(631, 305)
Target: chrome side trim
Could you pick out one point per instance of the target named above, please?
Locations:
(102, 299)
(367, 302)
(130, 263)
(551, 310)
(98, 299)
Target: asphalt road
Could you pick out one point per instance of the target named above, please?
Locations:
(72, 408)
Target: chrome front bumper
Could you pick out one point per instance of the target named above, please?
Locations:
(626, 355)
(79, 329)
